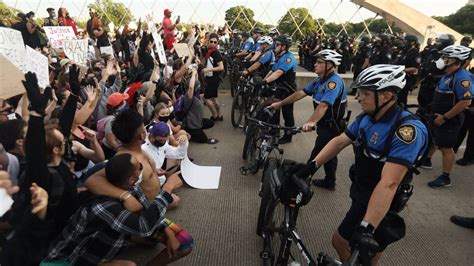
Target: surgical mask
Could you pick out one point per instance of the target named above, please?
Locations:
(140, 178)
(164, 118)
(440, 64)
(171, 108)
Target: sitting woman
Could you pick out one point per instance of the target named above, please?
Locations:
(163, 113)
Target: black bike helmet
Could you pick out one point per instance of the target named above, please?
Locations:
(384, 38)
(245, 35)
(284, 39)
(466, 41)
(257, 31)
(411, 38)
(445, 40)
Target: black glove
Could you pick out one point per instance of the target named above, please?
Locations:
(262, 82)
(308, 170)
(74, 79)
(363, 240)
(37, 100)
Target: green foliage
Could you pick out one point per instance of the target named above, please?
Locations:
(110, 11)
(287, 24)
(461, 21)
(238, 17)
(7, 13)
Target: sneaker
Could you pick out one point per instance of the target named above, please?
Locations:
(464, 162)
(440, 182)
(465, 222)
(285, 139)
(427, 164)
(324, 183)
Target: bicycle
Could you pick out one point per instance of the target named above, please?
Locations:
(240, 103)
(282, 195)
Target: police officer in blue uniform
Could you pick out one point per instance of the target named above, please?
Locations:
(247, 44)
(283, 74)
(257, 35)
(452, 96)
(329, 95)
(266, 59)
(387, 141)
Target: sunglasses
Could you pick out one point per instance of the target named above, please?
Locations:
(320, 62)
(277, 44)
(214, 42)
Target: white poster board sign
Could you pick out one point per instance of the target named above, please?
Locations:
(182, 49)
(76, 50)
(107, 50)
(12, 47)
(158, 41)
(38, 64)
(10, 79)
(58, 35)
(202, 177)
(5, 202)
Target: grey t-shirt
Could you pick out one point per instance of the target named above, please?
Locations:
(194, 118)
(108, 129)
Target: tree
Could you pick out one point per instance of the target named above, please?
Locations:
(110, 11)
(7, 13)
(302, 18)
(240, 17)
(461, 21)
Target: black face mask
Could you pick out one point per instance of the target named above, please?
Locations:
(164, 118)
(158, 144)
(111, 80)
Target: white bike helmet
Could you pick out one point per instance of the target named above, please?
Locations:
(457, 51)
(266, 39)
(330, 55)
(272, 30)
(381, 77)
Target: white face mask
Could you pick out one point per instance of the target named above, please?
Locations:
(140, 178)
(171, 108)
(440, 64)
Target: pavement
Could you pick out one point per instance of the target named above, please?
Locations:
(223, 221)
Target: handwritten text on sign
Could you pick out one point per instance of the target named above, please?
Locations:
(76, 50)
(58, 35)
(12, 47)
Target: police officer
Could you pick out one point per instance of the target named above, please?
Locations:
(257, 34)
(383, 55)
(247, 44)
(266, 59)
(283, 74)
(345, 50)
(452, 96)
(329, 95)
(387, 141)
(273, 32)
(361, 59)
(411, 59)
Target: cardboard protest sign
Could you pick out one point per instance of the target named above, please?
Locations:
(107, 50)
(38, 64)
(158, 41)
(10, 77)
(12, 47)
(76, 50)
(182, 49)
(58, 35)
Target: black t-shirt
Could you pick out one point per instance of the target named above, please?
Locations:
(213, 61)
(103, 40)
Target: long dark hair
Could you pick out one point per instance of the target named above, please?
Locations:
(146, 39)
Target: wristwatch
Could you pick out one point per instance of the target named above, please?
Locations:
(445, 117)
(367, 225)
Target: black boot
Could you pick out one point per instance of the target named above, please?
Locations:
(465, 222)
(325, 183)
(285, 139)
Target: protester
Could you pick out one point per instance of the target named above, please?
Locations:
(168, 29)
(51, 20)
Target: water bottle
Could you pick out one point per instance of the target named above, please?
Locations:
(294, 263)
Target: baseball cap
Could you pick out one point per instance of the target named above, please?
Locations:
(64, 61)
(160, 129)
(49, 9)
(116, 98)
(167, 11)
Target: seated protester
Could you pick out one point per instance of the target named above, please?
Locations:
(12, 136)
(110, 83)
(98, 231)
(44, 151)
(193, 122)
(162, 113)
(115, 104)
(178, 80)
(87, 150)
(165, 156)
(129, 129)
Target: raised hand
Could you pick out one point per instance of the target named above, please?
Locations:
(37, 100)
(74, 79)
(91, 93)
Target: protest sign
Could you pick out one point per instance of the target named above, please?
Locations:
(38, 64)
(157, 38)
(182, 49)
(107, 50)
(12, 47)
(58, 35)
(202, 177)
(11, 78)
(76, 50)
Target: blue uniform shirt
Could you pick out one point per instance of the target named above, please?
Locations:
(286, 62)
(247, 46)
(328, 90)
(256, 47)
(408, 143)
(461, 82)
(267, 57)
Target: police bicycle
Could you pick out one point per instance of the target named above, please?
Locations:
(243, 100)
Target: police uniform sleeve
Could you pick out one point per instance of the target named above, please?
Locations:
(287, 63)
(247, 46)
(332, 90)
(463, 88)
(353, 129)
(265, 58)
(408, 142)
(310, 87)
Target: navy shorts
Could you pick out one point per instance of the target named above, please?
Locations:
(446, 135)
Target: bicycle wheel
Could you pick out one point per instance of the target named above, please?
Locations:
(238, 109)
(250, 130)
(254, 159)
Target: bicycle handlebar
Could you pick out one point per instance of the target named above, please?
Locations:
(293, 130)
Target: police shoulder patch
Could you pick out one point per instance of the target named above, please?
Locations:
(467, 94)
(466, 84)
(332, 85)
(406, 133)
(288, 59)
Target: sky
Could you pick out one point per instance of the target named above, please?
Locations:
(266, 11)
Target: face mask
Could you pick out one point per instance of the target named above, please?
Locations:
(164, 118)
(158, 144)
(123, 108)
(140, 178)
(440, 64)
(111, 80)
(171, 108)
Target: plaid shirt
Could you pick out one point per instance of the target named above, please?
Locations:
(97, 232)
